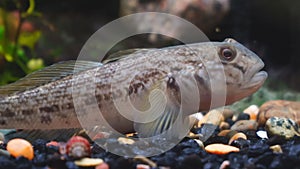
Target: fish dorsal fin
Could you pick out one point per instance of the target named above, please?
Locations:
(124, 54)
(48, 74)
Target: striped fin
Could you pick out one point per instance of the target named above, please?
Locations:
(46, 75)
(166, 117)
(159, 125)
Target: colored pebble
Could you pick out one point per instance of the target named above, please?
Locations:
(142, 166)
(220, 149)
(243, 125)
(123, 140)
(262, 134)
(199, 142)
(62, 148)
(283, 127)
(78, 147)
(252, 111)
(224, 132)
(236, 136)
(225, 164)
(88, 162)
(240, 143)
(276, 149)
(280, 125)
(214, 117)
(195, 119)
(279, 108)
(227, 133)
(20, 147)
(224, 125)
(130, 134)
(228, 113)
(197, 116)
(53, 143)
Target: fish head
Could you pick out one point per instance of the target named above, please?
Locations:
(230, 72)
(242, 69)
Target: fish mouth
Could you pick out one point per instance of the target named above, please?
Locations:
(257, 80)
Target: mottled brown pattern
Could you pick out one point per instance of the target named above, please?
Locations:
(52, 105)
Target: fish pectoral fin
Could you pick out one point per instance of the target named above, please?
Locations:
(48, 74)
(171, 123)
(124, 54)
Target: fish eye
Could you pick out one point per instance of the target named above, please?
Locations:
(227, 54)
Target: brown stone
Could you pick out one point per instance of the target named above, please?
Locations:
(243, 125)
(214, 117)
(279, 108)
(228, 113)
(223, 132)
(227, 133)
(224, 125)
(276, 149)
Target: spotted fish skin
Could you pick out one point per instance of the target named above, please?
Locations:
(132, 78)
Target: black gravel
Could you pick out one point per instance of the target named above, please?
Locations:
(255, 153)
(243, 116)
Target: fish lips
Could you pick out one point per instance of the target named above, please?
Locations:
(257, 80)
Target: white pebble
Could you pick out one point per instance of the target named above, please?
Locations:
(262, 134)
(198, 115)
(253, 109)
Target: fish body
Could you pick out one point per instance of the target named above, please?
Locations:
(170, 80)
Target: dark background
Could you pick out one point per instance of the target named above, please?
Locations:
(270, 28)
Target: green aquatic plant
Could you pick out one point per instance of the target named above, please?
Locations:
(18, 38)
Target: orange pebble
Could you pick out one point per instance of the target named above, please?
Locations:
(220, 149)
(253, 116)
(252, 111)
(20, 147)
(236, 136)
